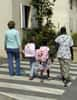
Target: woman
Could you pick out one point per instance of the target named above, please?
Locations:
(12, 45)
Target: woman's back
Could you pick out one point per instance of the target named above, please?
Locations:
(12, 38)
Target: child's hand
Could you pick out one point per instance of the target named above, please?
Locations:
(22, 52)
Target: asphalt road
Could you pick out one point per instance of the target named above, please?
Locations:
(21, 88)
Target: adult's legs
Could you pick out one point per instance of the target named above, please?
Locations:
(67, 74)
(62, 70)
(65, 68)
(17, 59)
(10, 61)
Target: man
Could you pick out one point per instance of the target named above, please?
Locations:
(64, 54)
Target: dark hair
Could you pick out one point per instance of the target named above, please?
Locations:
(63, 30)
(31, 39)
(44, 42)
(11, 24)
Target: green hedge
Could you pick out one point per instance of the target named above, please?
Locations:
(74, 36)
(49, 35)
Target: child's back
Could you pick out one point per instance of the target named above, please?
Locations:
(29, 50)
(44, 50)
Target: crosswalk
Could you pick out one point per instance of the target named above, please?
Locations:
(21, 88)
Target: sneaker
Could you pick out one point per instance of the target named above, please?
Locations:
(67, 83)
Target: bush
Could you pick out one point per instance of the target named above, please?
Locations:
(40, 35)
(74, 36)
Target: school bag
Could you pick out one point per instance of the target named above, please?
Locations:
(29, 50)
(42, 54)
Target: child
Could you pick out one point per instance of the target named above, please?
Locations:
(42, 56)
(29, 52)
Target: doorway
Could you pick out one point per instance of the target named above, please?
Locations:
(25, 14)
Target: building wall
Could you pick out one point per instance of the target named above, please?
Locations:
(61, 14)
(5, 16)
(73, 16)
(17, 10)
(10, 10)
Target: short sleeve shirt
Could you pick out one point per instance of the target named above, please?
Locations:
(65, 42)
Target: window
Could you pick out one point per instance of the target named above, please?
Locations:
(71, 4)
(25, 11)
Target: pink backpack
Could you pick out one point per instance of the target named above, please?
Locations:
(42, 54)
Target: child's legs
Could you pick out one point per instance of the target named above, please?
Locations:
(32, 67)
(48, 72)
(44, 68)
(41, 73)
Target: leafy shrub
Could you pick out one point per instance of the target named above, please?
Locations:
(48, 35)
(74, 36)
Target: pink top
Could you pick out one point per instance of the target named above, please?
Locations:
(42, 53)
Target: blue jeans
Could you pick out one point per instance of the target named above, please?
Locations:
(32, 66)
(13, 53)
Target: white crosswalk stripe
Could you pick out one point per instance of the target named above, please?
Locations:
(22, 97)
(21, 88)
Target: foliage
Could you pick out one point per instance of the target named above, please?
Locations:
(27, 33)
(43, 9)
(74, 36)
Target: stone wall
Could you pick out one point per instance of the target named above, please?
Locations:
(75, 54)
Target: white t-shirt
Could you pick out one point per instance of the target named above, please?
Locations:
(65, 42)
(29, 50)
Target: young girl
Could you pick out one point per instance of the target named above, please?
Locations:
(29, 52)
(42, 56)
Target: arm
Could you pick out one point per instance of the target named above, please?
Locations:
(5, 42)
(18, 41)
(57, 42)
(71, 49)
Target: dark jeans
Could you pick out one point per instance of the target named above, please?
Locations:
(13, 53)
